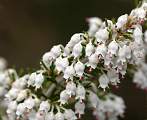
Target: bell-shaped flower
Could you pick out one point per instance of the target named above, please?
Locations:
(56, 51)
(59, 116)
(61, 63)
(29, 103)
(93, 61)
(39, 81)
(89, 49)
(80, 108)
(79, 68)
(101, 50)
(47, 57)
(122, 20)
(103, 81)
(44, 106)
(113, 48)
(71, 88)
(22, 95)
(64, 97)
(76, 38)
(69, 72)
(137, 35)
(80, 92)
(102, 35)
(69, 114)
(20, 109)
(93, 99)
(77, 50)
(50, 116)
(32, 78)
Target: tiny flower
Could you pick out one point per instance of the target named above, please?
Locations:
(93, 99)
(79, 108)
(61, 64)
(71, 88)
(32, 78)
(3, 64)
(12, 94)
(93, 61)
(77, 50)
(56, 51)
(20, 109)
(69, 115)
(12, 106)
(101, 50)
(103, 81)
(79, 68)
(80, 92)
(67, 51)
(63, 97)
(69, 72)
(59, 116)
(29, 103)
(76, 38)
(122, 20)
(22, 95)
(113, 77)
(102, 35)
(89, 49)
(50, 116)
(47, 57)
(38, 81)
(44, 106)
(137, 35)
(112, 48)
(145, 36)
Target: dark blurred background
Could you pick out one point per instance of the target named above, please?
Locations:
(29, 28)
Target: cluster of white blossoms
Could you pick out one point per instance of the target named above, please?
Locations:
(79, 75)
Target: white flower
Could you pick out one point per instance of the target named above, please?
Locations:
(94, 25)
(101, 50)
(80, 92)
(11, 107)
(103, 81)
(20, 109)
(102, 35)
(56, 51)
(79, 68)
(79, 108)
(64, 97)
(89, 49)
(44, 106)
(47, 57)
(50, 116)
(69, 115)
(77, 50)
(61, 63)
(122, 20)
(22, 95)
(59, 116)
(93, 99)
(139, 13)
(112, 48)
(93, 61)
(137, 35)
(12, 94)
(38, 81)
(113, 76)
(76, 38)
(67, 51)
(32, 78)
(69, 72)
(71, 88)
(29, 103)
(124, 53)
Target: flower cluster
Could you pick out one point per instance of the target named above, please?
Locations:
(81, 73)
